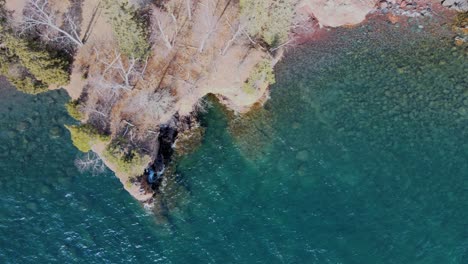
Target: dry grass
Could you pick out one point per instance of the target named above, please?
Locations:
(196, 65)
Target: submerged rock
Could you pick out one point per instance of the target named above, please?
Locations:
(296, 125)
(189, 140)
(55, 132)
(23, 126)
(302, 155)
(11, 134)
(302, 170)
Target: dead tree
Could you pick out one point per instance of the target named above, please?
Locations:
(166, 26)
(151, 106)
(39, 15)
(120, 73)
(90, 162)
(189, 8)
(207, 23)
(237, 31)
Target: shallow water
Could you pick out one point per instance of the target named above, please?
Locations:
(360, 156)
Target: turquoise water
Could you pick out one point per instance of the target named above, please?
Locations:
(360, 156)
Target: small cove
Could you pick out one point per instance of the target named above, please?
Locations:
(360, 156)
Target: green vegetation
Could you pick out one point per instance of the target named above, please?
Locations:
(128, 28)
(73, 110)
(261, 75)
(41, 64)
(84, 136)
(11, 68)
(126, 161)
(268, 19)
(17, 75)
(28, 67)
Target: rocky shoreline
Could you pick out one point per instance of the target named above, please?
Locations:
(154, 118)
(169, 147)
(408, 8)
(188, 126)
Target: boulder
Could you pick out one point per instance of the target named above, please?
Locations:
(55, 132)
(302, 155)
(459, 5)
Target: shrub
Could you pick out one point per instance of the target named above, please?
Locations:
(84, 136)
(18, 77)
(262, 75)
(28, 85)
(129, 30)
(41, 64)
(73, 110)
(29, 69)
(268, 19)
(127, 161)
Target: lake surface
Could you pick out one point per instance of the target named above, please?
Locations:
(360, 156)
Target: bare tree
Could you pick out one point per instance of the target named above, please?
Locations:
(154, 107)
(237, 31)
(39, 15)
(102, 98)
(202, 105)
(90, 162)
(127, 70)
(189, 8)
(207, 22)
(166, 26)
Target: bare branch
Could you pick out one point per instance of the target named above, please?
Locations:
(117, 67)
(167, 26)
(90, 162)
(189, 8)
(236, 33)
(154, 107)
(38, 14)
(207, 24)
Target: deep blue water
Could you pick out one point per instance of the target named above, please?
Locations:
(360, 156)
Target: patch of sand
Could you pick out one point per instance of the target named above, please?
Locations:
(76, 85)
(61, 6)
(17, 7)
(336, 13)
